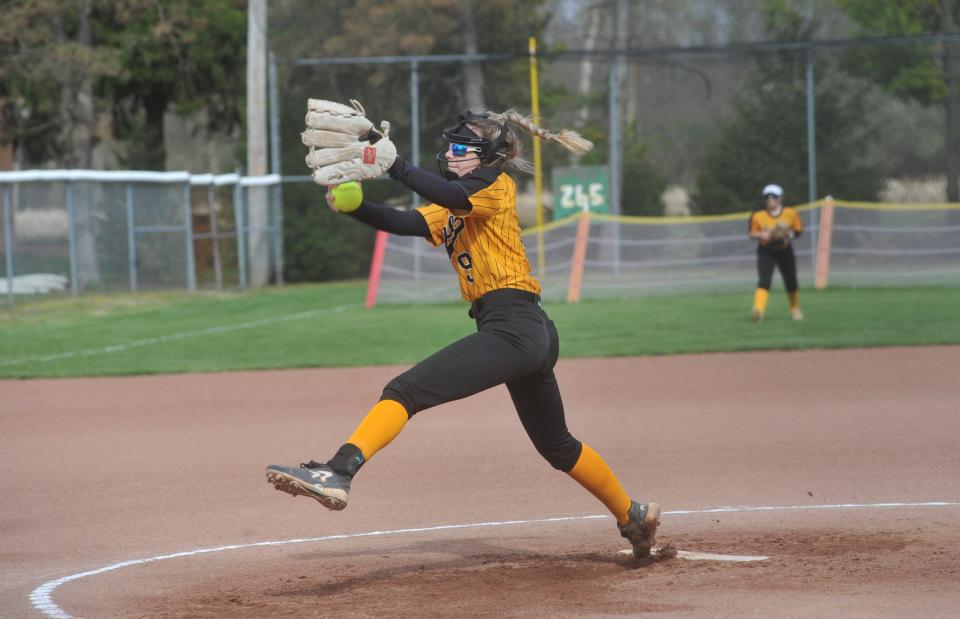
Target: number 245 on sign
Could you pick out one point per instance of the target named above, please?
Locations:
(578, 196)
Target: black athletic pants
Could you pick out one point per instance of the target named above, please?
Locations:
(784, 259)
(516, 343)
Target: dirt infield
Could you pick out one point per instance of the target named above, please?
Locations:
(100, 473)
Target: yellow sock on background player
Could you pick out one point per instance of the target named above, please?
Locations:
(795, 312)
(760, 297)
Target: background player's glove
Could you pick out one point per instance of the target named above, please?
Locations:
(343, 144)
(780, 236)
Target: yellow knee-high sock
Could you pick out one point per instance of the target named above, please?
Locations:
(592, 473)
(794, 300)
(381, 425)
(760, 296)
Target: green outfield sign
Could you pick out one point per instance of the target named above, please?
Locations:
(579, 188)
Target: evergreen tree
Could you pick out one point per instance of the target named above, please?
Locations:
(927, 74)
(766, 140)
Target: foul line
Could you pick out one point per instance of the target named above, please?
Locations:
(42, 600)
(179, 336)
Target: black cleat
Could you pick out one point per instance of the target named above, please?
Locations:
(312, 479)
(642, 528)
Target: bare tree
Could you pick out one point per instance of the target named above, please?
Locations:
(594, 19)
(76, 106)
(619, 67)
(472, 72)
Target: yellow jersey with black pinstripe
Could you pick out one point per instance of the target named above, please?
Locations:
(484, 244)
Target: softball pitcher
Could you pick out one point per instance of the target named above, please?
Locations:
(472, 214)
(774, 227)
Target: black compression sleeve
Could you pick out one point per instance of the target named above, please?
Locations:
(381, 217)
(448, 194)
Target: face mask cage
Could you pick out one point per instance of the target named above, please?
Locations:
(461, 134)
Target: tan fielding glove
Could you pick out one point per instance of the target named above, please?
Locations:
(343, 144)
(780, 236)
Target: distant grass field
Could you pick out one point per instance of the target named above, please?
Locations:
(325, 325)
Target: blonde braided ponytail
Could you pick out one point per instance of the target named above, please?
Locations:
(570, 140)
(511, 158)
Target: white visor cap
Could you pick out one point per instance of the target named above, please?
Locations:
(775, 190)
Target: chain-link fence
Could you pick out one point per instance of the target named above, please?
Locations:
(85, 231)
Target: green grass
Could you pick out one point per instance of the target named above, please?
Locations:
(325, 325)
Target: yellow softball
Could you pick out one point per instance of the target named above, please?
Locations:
(347, 196)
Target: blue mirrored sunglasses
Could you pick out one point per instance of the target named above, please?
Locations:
(459, 150)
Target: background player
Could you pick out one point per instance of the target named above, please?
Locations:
(472, 213)
(775, 226)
